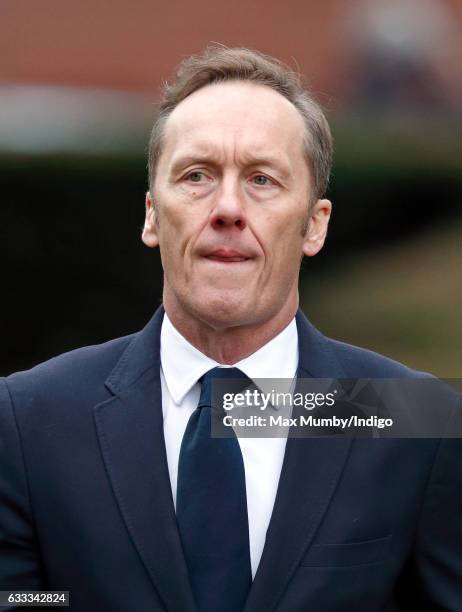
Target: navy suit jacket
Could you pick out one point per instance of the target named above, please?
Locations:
(86, 502)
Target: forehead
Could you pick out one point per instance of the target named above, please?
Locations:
(238, 117)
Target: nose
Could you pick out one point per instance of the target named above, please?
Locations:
(228, 211)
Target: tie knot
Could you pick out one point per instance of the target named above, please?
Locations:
(230, 380)
(223, 373)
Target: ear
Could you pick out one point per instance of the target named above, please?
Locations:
(317, 227)
(150, 235)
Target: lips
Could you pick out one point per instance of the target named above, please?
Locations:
(225, 255)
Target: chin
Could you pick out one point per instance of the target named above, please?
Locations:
(224, 311)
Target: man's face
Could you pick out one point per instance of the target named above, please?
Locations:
(229, 206)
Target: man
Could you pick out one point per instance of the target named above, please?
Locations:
(109, 487)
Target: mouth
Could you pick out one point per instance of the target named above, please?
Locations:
(226, 256)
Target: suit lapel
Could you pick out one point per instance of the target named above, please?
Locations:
(310, 472)
(130, 430)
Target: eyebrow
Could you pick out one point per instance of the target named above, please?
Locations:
(186, 160)
(248, 160)
(268, 160)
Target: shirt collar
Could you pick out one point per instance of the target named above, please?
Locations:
(183, 364)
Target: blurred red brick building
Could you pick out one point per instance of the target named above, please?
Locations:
(134, 45)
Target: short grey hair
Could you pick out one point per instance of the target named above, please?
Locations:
(219, 64)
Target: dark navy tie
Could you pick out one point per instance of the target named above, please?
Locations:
(211, 506)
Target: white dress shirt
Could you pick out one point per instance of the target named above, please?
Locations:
(182, 365)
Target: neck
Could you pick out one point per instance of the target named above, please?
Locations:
(230, 344)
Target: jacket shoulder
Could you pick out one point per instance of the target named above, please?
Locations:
(80, 372)
(322, 356)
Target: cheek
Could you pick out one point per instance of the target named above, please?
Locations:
(170, 218)
(179, 209)
(280, 236)
(171, 223)
(287, 257)
(178, 233)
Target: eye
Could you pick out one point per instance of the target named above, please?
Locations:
(195, 176)
(261, 179)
